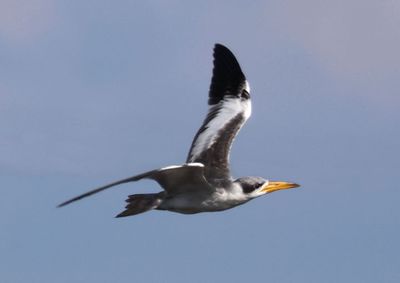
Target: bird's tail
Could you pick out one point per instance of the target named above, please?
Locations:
(141, 203)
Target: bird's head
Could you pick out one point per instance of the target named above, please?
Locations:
(256, 186)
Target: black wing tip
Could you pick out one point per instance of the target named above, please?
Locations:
(219, 46)
(121, 215)
(221, 51)
(68, 202)
(227, 77)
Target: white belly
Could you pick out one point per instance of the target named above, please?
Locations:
(199, 202)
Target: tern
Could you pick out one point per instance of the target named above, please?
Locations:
(204, 183)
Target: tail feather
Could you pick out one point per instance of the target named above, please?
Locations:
(140, 203)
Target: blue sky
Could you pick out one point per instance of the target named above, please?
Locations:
(94, 91)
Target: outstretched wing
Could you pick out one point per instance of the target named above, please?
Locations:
(229, 108)
(173, 179)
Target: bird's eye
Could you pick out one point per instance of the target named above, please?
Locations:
(245, 94)
(248, 188)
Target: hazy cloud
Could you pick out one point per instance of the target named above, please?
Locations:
(350, 37)
(22, 20)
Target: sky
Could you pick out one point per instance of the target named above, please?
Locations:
(95, 91)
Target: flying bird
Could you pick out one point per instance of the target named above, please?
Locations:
(204, 183)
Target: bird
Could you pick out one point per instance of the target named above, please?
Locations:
(204, 183)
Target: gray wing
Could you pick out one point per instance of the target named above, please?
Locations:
(181, 179)
(230, 107)
(173, 179)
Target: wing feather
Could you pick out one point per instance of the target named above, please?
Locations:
(229, 108)
(173, 179)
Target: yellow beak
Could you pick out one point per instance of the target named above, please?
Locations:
(276, 186)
